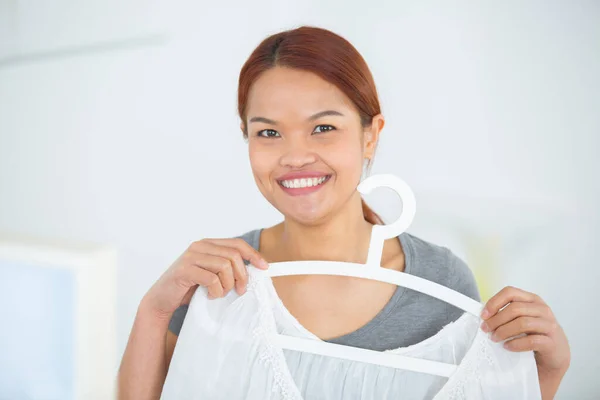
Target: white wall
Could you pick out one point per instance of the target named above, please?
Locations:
(118, 125)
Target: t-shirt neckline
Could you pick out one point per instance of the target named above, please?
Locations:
(381, 316)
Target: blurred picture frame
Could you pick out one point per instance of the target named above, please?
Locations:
(59, 319)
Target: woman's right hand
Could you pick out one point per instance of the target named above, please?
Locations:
(216, 264)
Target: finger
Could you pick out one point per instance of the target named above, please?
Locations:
(247, 252)
(218, 265)
(505, 296)
(528, 325)
(513, 311)
(202, 277)
(215, 290)
(240, 273)
(540, 343)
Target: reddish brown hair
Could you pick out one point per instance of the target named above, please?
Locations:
(325, 54)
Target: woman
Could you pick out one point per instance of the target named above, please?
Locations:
(310, 113)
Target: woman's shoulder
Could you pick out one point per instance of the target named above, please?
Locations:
(251, 237)
(439, 264)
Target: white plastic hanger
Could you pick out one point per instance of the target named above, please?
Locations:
(373, 270)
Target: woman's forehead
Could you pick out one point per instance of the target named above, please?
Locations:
(285, 90)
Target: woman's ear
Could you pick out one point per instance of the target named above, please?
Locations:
(372, 136)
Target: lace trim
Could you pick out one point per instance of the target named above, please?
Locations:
(470, 372)
(271, 356)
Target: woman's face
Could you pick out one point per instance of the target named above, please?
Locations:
(306, 142)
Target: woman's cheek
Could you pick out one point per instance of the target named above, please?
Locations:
(262, 159)
(347, 161)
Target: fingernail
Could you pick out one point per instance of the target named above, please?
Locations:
(484, 327)
(264, 264)
(485, 313)
(210, 296)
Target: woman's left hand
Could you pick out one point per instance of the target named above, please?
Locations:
(526, 313)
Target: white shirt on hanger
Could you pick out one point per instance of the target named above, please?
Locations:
(227, 349)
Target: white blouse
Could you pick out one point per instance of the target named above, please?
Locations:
(227, 350)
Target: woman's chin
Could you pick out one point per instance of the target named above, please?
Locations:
(308, 217)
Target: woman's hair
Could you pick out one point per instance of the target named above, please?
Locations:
(325, 54)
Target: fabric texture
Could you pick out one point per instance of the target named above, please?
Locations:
(227, 349)
(409, 317)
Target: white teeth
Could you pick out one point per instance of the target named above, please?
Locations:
(303, 182)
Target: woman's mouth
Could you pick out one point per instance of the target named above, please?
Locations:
(301, 186)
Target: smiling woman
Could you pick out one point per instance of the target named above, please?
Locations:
(310, 113)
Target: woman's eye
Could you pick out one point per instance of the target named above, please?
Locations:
(323, 128)
(268, 133)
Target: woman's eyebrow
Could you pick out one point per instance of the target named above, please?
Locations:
(262, 119)
(324, 114)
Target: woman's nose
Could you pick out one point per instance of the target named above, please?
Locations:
(298, 154)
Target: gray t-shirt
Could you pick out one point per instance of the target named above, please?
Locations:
(410, 316)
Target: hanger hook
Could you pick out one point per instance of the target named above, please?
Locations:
(382, 232)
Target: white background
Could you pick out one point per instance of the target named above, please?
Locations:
(118, 125)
